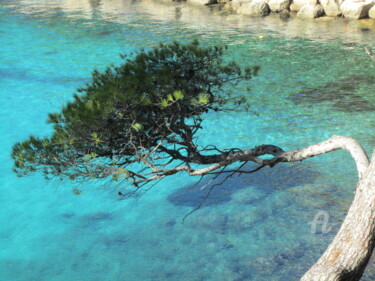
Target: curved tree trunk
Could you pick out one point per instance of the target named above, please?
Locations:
(350, 251)
(347, 256)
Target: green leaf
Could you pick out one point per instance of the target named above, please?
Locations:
(145, 100)
(164, 103)
(137, 126)
(87, 157)
(170, 98)
(178, 95)
(203, 99)
(89, 105)
(122, 171)
(96, 138)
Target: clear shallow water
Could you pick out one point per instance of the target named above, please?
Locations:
(316, 81)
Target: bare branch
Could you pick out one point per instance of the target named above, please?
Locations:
(336, 142)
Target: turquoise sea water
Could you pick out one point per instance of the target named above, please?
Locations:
(316, 81)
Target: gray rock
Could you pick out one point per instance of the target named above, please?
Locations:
(356, 9)
(279, 5)
(311, 11)
(255, 7)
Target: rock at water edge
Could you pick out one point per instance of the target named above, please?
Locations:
(236, 4)
(255, 7)
(352, 9)
(332, 7)
(279, 5)
(297, 4)
(371, 12)
(311, 11)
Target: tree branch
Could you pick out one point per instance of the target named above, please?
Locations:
(336, 142)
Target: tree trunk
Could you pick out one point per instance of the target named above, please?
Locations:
(350, 251)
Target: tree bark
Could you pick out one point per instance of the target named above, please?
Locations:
(350, 251)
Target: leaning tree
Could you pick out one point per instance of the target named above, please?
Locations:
(138, 122)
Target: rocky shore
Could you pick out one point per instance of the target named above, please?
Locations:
(351, 9)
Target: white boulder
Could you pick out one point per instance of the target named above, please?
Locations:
(297, 4)
(236, 4)
(356, 9)
(279, 5)
(255, 7)
(311, 11)
(371, 12)
(332, 7)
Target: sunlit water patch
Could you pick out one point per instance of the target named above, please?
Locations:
(315, 81)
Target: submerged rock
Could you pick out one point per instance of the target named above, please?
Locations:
(170, 223)
(283, 264)
(246, 220)
(208, 219)
(98, 216)
(340, 93)
(278, 264)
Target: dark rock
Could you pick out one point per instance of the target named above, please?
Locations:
(68, 215)
(170, 223)
(115, 240)
(341, 94)
(99, 216)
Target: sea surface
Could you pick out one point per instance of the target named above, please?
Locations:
(316, 81)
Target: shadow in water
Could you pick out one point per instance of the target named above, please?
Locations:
(340, 93)
(267, 179)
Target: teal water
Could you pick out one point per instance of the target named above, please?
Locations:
(316, 81)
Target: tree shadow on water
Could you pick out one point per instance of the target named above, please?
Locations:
(267, 180)
(340, 93)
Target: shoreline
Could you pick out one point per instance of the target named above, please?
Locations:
(217, 17)
(350, 9)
